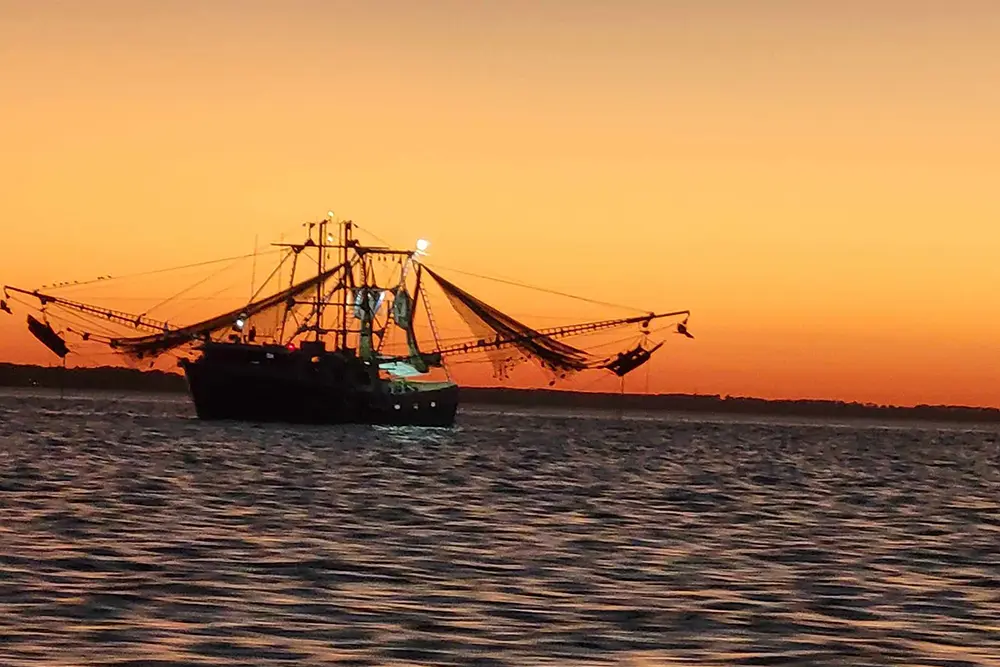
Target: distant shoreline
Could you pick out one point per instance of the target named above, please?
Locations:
(113, 378)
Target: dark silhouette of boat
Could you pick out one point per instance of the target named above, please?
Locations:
(315, 352)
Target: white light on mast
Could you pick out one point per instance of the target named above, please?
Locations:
(423, 245)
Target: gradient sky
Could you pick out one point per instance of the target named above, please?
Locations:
(817, 181)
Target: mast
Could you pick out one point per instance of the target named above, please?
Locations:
(291, 282)
(319, 284)
(345, 242)
(323, 243)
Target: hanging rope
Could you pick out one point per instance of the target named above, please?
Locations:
(515, 283)
(105, 279)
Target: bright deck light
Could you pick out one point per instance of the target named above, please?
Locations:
(423, 245)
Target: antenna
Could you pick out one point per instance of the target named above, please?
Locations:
(319, 285)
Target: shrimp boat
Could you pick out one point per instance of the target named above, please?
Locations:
(315, 352)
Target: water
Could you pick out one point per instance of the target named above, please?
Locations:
(133, 534)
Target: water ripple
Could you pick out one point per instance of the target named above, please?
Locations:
(133, 534)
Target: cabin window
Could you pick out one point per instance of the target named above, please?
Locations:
(396, 406)
(433, 404)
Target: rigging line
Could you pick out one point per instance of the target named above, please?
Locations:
(616, 343)
(156, 271)
(589, 386)
(631, 337)
(267, 280)
(464, 362)
(515, 283)
(597, 358)
(103, 328)
(198, 299)
(213, 296)
(61, 313)
(466, 337)
(27, 304)
(65, 317)
(230, 286)
(191, 287)
(372, 234)
(91, 354)
(61, 316)
(65, 324)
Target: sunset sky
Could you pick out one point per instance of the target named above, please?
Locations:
(816, 181)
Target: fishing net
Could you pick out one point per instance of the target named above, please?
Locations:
(269, 310)
(495, 329)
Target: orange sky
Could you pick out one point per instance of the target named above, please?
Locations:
(817, 183)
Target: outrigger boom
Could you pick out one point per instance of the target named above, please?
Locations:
(564, 331)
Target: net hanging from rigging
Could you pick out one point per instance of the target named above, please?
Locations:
(487, 322)
(140, 346)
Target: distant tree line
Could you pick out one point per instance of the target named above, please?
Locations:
(115, 378)
(112, 378)
(715, 404)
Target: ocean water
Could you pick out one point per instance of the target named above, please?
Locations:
(133, 534)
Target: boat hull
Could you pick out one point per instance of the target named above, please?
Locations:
(291, 393)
